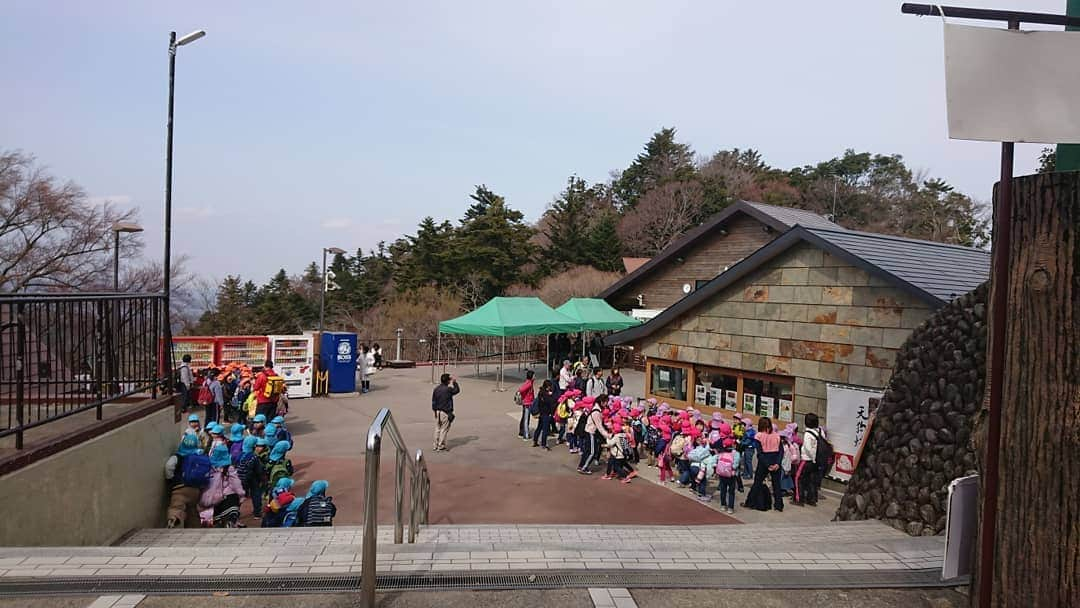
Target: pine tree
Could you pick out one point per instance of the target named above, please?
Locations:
(565, 225)
(663, 160)
(604, 247)
(491, 248)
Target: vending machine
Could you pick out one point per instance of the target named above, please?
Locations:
(337, 355)
(201, 349)
(293, 361)
(248, 350)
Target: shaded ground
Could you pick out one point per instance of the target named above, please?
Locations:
(487, 476)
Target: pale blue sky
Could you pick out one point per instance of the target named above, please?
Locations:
(308, 124)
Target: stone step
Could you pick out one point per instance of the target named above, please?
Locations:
(836, 547)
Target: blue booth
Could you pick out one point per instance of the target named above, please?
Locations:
(337, 355)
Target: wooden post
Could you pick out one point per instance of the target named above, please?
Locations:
(1037, 540)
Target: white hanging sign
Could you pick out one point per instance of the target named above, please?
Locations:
(1012, 85)
(848, 416)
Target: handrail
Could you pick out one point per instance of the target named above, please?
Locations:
(419, 497)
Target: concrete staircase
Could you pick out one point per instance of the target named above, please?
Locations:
(838, 548)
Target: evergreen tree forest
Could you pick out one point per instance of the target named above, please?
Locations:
(448, 266)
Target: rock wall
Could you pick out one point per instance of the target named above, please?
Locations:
(922, 435)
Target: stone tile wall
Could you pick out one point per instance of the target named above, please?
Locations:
(808, 315)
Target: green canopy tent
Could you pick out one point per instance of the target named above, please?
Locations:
(596, 315)
(505, 316)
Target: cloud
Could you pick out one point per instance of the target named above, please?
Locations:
(337, 223)
(196, 213)
(116, 199)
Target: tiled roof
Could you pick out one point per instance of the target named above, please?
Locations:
(777, 218)
(792, 217)
(943, 271)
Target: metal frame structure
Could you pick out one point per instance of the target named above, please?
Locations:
(419, 497)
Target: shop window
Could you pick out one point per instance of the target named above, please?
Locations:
(717, 389)
(768, 398)
(669, 382)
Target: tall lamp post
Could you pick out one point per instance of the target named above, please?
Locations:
(117, 228)
(325, 283)
(174, 44)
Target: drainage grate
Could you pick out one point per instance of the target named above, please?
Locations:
(292, 584)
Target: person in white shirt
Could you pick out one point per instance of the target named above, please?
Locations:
(807, 477)
(565, 376)
(596, 385)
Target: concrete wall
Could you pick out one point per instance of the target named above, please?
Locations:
(93, 493)
(807, 315)
(664, 285)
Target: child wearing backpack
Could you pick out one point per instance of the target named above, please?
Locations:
(618, 445)
(250, 471)
(315, 509)
(727, 472)
(224, 491)
(236, 442)
(278, 501)
(702, 465)
(283, 433)
(280, 467)
(183, 511)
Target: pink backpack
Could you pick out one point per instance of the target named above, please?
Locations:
(725, 465)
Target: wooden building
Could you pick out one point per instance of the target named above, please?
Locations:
(814, 306)
(704, 252)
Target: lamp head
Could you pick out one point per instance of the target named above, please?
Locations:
(126, 227)
(335, 250)
(192, 37)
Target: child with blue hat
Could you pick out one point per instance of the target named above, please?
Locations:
(250, 471)
(278, 500)
(283, 433)
(279, 465)
(258, 425)
(236, 440)
(224, 492)
(271, 434)
(183, 499)
(315, 509)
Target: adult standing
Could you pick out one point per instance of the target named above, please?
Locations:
(545, 402)
(266, 393)
(807, 476)
(442, 403)
(565, 376)
(768, 465)
(595, 346)
(526, 400)
(365, 361)
(187, 378)
(215, 408)
(596, 386)
(614, 383)
(595, 435)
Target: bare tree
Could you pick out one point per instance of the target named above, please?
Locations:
(51, 235)
(661, 216)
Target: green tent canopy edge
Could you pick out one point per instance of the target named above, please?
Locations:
(511, 316)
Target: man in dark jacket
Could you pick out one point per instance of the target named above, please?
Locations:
(442, 403)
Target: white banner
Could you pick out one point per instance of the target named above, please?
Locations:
(848, 415)
(1005, 85)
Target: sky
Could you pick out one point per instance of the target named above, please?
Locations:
(300, 126)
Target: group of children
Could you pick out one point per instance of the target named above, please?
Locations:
(215, 468)
(691, 449)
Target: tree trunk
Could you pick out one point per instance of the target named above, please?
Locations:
(1037, 541)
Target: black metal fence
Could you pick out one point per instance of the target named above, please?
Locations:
(65, 354)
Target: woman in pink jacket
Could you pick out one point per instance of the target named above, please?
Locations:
(526, 398)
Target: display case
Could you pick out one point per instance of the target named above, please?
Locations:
(249, 350)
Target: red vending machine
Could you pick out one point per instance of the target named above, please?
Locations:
(201, 349)
(248, 350)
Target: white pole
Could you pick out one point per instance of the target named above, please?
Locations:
(502, 361)
(547, 357)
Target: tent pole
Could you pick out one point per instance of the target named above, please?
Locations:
(502, 363)
(547, 357)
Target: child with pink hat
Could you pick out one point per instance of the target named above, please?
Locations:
(618, 448)
(727, 472)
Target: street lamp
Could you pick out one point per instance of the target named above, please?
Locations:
(117, 228)
(325, 283)
(167, 268)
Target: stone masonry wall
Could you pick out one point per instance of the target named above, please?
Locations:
(808, 315)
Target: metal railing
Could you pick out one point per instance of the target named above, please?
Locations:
(62, 354)
(419, 497)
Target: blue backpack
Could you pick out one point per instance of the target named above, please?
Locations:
(196, 470)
